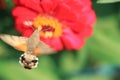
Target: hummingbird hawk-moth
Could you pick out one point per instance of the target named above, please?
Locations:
(32, 47)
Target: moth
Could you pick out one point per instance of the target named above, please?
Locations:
(32, 47)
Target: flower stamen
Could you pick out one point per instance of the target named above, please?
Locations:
(49, 26)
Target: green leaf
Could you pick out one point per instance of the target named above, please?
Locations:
(9, 4)
(82, 57)
(89, 78)
(105, 45)
(108, 1)
(105, 49)
(11, 70)
(67, 62)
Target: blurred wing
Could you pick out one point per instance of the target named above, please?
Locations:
(33, 41)
(43, 48)
(17, 42)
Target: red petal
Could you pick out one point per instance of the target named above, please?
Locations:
(84, 13)
(64, 12)
(23, 12)
(55, 43)
(49, 5)
(90, 17)
(71, 40)
(87, 31)
(32, 4)
(27, 32)
(74, 25)
(19, 23)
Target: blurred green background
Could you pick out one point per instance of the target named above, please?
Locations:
(98, 60)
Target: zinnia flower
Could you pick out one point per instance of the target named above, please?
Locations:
(63, 23)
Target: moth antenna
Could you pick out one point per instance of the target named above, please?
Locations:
(29, 23)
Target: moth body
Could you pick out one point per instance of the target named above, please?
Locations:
(32, 47)
(29, 61)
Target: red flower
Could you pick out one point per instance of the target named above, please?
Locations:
(63, 23)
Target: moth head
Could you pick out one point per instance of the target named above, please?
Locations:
(28, 61)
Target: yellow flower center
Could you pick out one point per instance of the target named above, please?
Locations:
(49, 26)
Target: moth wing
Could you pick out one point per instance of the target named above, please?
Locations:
(45, 49)
(16, 42)
(33, 41)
